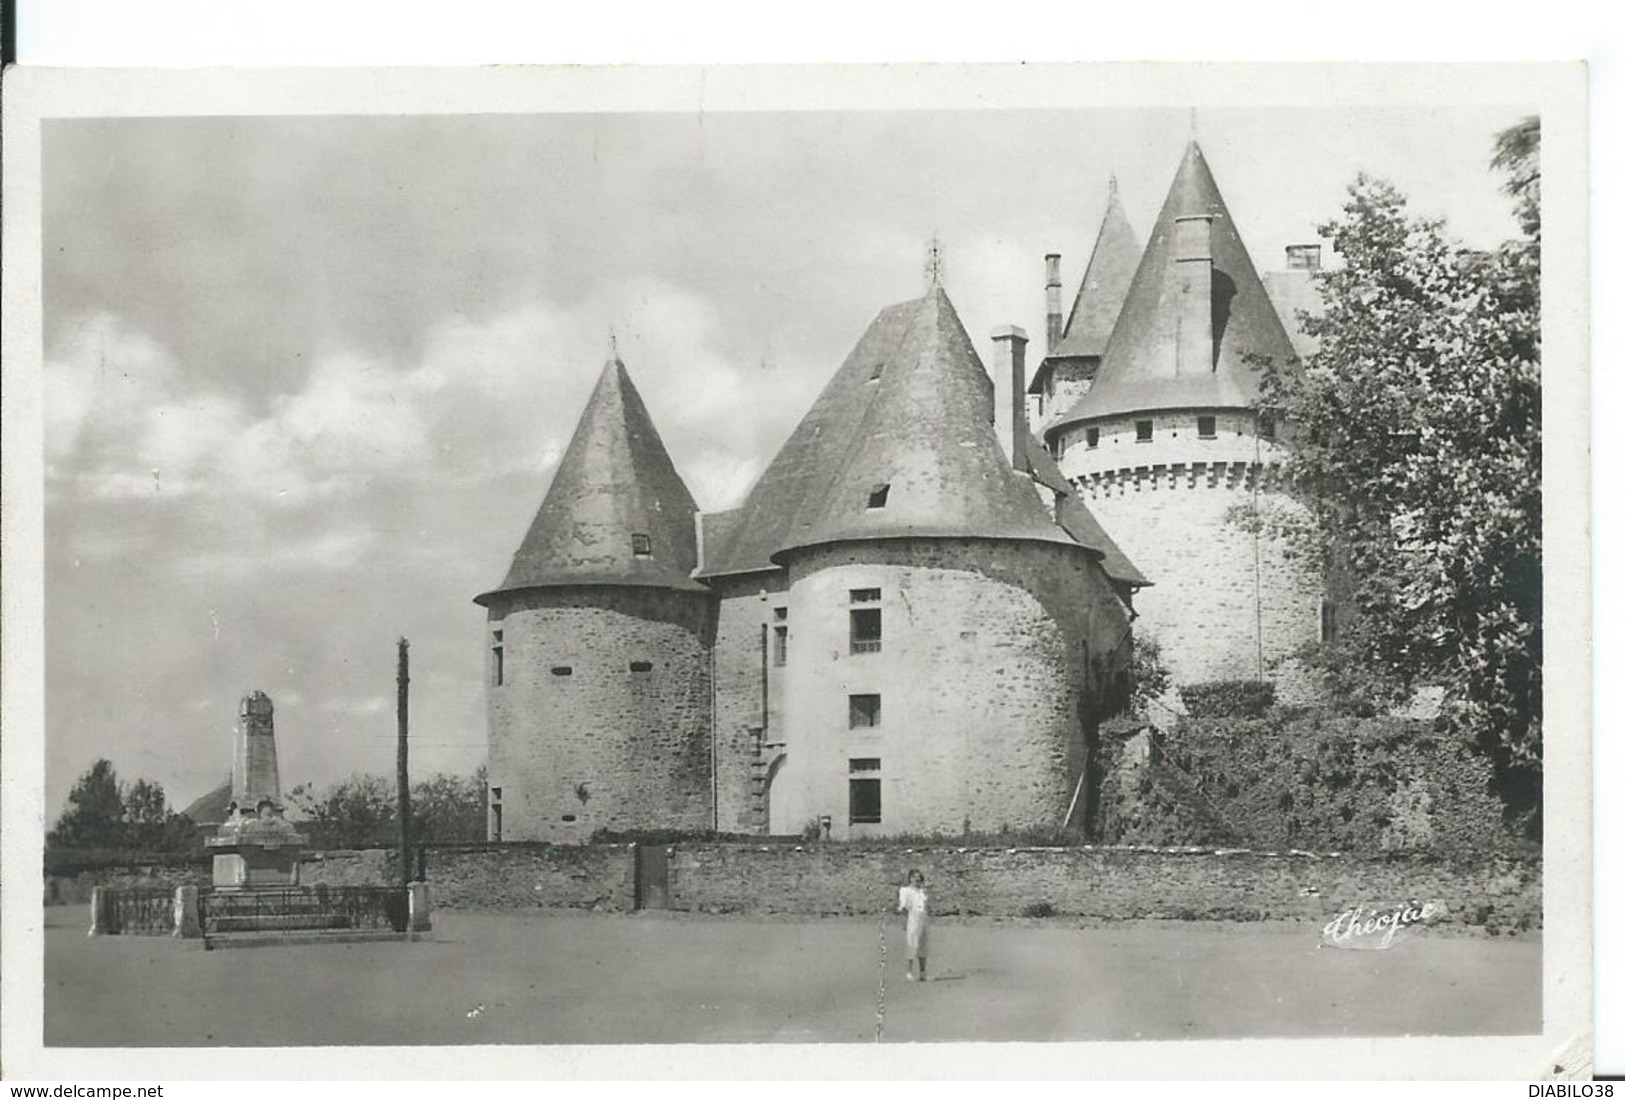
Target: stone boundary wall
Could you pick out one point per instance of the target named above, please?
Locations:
(854, 879)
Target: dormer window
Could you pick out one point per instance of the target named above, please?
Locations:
(877, 495)
(642, 547)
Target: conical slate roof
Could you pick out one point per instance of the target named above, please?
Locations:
(926, 442)
(1139, 371)
(615, 481)
(1105, 284)
(911, 408)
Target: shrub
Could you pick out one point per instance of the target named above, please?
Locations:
(1228, 698)
(1038, 909)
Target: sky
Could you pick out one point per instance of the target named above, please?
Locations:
(306, 379)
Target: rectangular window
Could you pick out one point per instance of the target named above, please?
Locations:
(1060, 446)
(1328, 621)
(496, 658)
(866, 630)
(1092, 437)
(865, 595)
(863, 792)
(781, 645)
(877, 496)
(641, 546)
(1207, 427)
(863, 711)
(1142, 431)
(1266, 427)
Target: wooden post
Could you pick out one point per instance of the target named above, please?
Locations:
(403, 792)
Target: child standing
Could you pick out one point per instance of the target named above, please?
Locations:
(912, 899)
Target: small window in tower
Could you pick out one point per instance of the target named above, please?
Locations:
(866, 630)
(562, 670)
(781, 646)
(641, 666)
(863, 792)
(781, 613)
(877, 495)
(496, 658)
(1207, 427)
(1092, 438)
(879, 369)
(1060, 446)
(641, 547)
(1328, 622)
(1266, 427)
(865, 595)
(1142, 431)
(863, 711)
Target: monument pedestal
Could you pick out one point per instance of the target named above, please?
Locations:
(256, 852)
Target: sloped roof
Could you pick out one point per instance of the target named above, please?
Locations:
(1043, 468)
(615, 480)
(1139, 371)
(911, 408)
(1105, 284)
(1292, 291)
(1082, 525)
(927, 436)
(210, 809)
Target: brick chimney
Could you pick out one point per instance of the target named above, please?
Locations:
(1193, 255)
(1013, 343)
(1052, 301)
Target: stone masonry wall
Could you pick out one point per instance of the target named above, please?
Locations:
(1104, 883)
(745, 607)
(1229, 600)
(992, 653)
(623, 741)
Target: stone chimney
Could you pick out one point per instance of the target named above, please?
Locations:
(1052, 301)
(1013, 342)
(1303, 257)
(1193, 253)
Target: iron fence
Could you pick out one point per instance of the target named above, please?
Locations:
(138, 912)
(303, 909)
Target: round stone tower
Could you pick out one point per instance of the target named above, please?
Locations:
(597, 671)
(1169, 452)
(948, 643)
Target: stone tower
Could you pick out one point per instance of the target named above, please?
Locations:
(598, 682)
(1168, 451)
(937, 641)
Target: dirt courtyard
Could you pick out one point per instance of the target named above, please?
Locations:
(537, 977)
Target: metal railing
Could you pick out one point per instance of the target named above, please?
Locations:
(304, 909)
(138, 912)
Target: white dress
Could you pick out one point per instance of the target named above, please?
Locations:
(912, 900)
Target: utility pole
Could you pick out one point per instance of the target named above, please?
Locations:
(403, 795)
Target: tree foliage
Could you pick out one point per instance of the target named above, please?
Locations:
(359, 812)
(107, 814)
(1417, 447)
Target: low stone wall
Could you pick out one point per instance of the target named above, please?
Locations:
(1097, 883)
(74, 888)
(1104, 883)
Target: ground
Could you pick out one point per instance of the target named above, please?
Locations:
(548, 976)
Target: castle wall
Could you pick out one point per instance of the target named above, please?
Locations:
(608, 745)
(1229, 599)
(990, 653)
(746, 743)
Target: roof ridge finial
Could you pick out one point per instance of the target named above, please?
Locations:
(614, 349)
(1111, 186)
(933, 264)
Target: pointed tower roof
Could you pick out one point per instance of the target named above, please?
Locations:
(1105, 283)
(926, 461)
(910, 410)
(1139, 369)
(615, 481)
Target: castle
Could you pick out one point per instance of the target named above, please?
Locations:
(902, 629)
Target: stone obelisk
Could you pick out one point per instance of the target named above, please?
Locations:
(256, 846)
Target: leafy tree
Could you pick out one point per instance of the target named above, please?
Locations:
(359, 812)
(146, 814)
(1417, 445)
(95, 814)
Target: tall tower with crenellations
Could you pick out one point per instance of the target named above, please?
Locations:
(598, 662)
(1168, 449)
